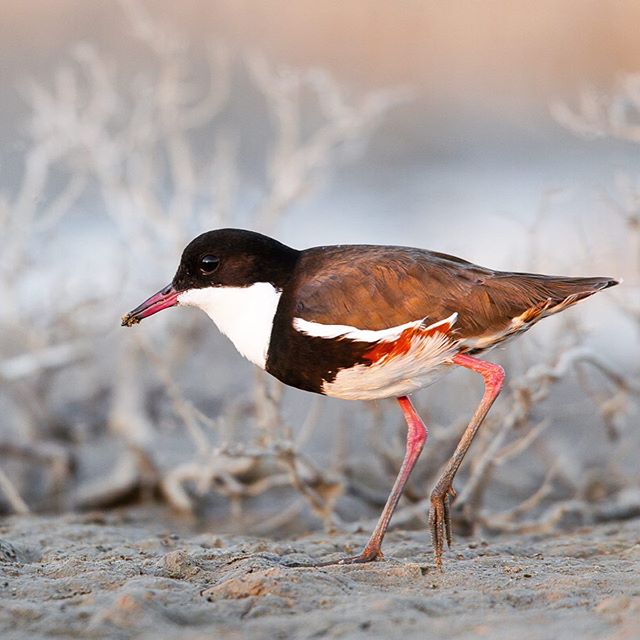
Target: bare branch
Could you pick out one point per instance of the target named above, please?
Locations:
(18, 505)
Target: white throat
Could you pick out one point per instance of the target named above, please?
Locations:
(244, 314)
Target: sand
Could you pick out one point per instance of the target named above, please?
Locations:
(119, 576)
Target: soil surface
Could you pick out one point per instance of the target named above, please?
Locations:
(118, 576)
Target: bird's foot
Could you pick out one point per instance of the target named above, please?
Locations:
(368, 554)
(440, 521)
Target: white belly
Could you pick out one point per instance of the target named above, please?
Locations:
(389, 380)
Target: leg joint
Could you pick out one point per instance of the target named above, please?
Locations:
(493, 374)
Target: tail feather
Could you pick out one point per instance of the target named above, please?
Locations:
(566, 291)
(521, 299)
(551, 294)
(579, 286)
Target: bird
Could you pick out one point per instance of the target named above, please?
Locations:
(366, 322)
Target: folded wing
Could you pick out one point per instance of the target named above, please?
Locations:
(378, 288)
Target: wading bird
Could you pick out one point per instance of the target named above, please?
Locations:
(363, 322)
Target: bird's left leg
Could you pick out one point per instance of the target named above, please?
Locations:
(439, 516)
(416, 437)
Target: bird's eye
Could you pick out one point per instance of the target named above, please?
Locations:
(208, 264)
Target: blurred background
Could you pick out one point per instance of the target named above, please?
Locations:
(506, 133)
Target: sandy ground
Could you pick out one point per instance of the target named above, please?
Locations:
(114, 576)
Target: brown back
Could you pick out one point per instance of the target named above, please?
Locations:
(376, 287)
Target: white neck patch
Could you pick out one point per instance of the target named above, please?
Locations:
(244, 314)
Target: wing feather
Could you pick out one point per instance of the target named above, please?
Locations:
(375, 288)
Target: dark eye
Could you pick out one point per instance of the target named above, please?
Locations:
(208, 264)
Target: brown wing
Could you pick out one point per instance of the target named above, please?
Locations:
(374, 287)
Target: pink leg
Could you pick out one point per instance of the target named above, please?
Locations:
(439, 516)
(416, 437)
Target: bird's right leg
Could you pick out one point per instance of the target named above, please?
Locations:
(439, 516)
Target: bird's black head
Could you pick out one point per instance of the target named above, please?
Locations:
(222, 258)
(233, 258)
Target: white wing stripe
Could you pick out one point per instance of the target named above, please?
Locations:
(319, 330)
